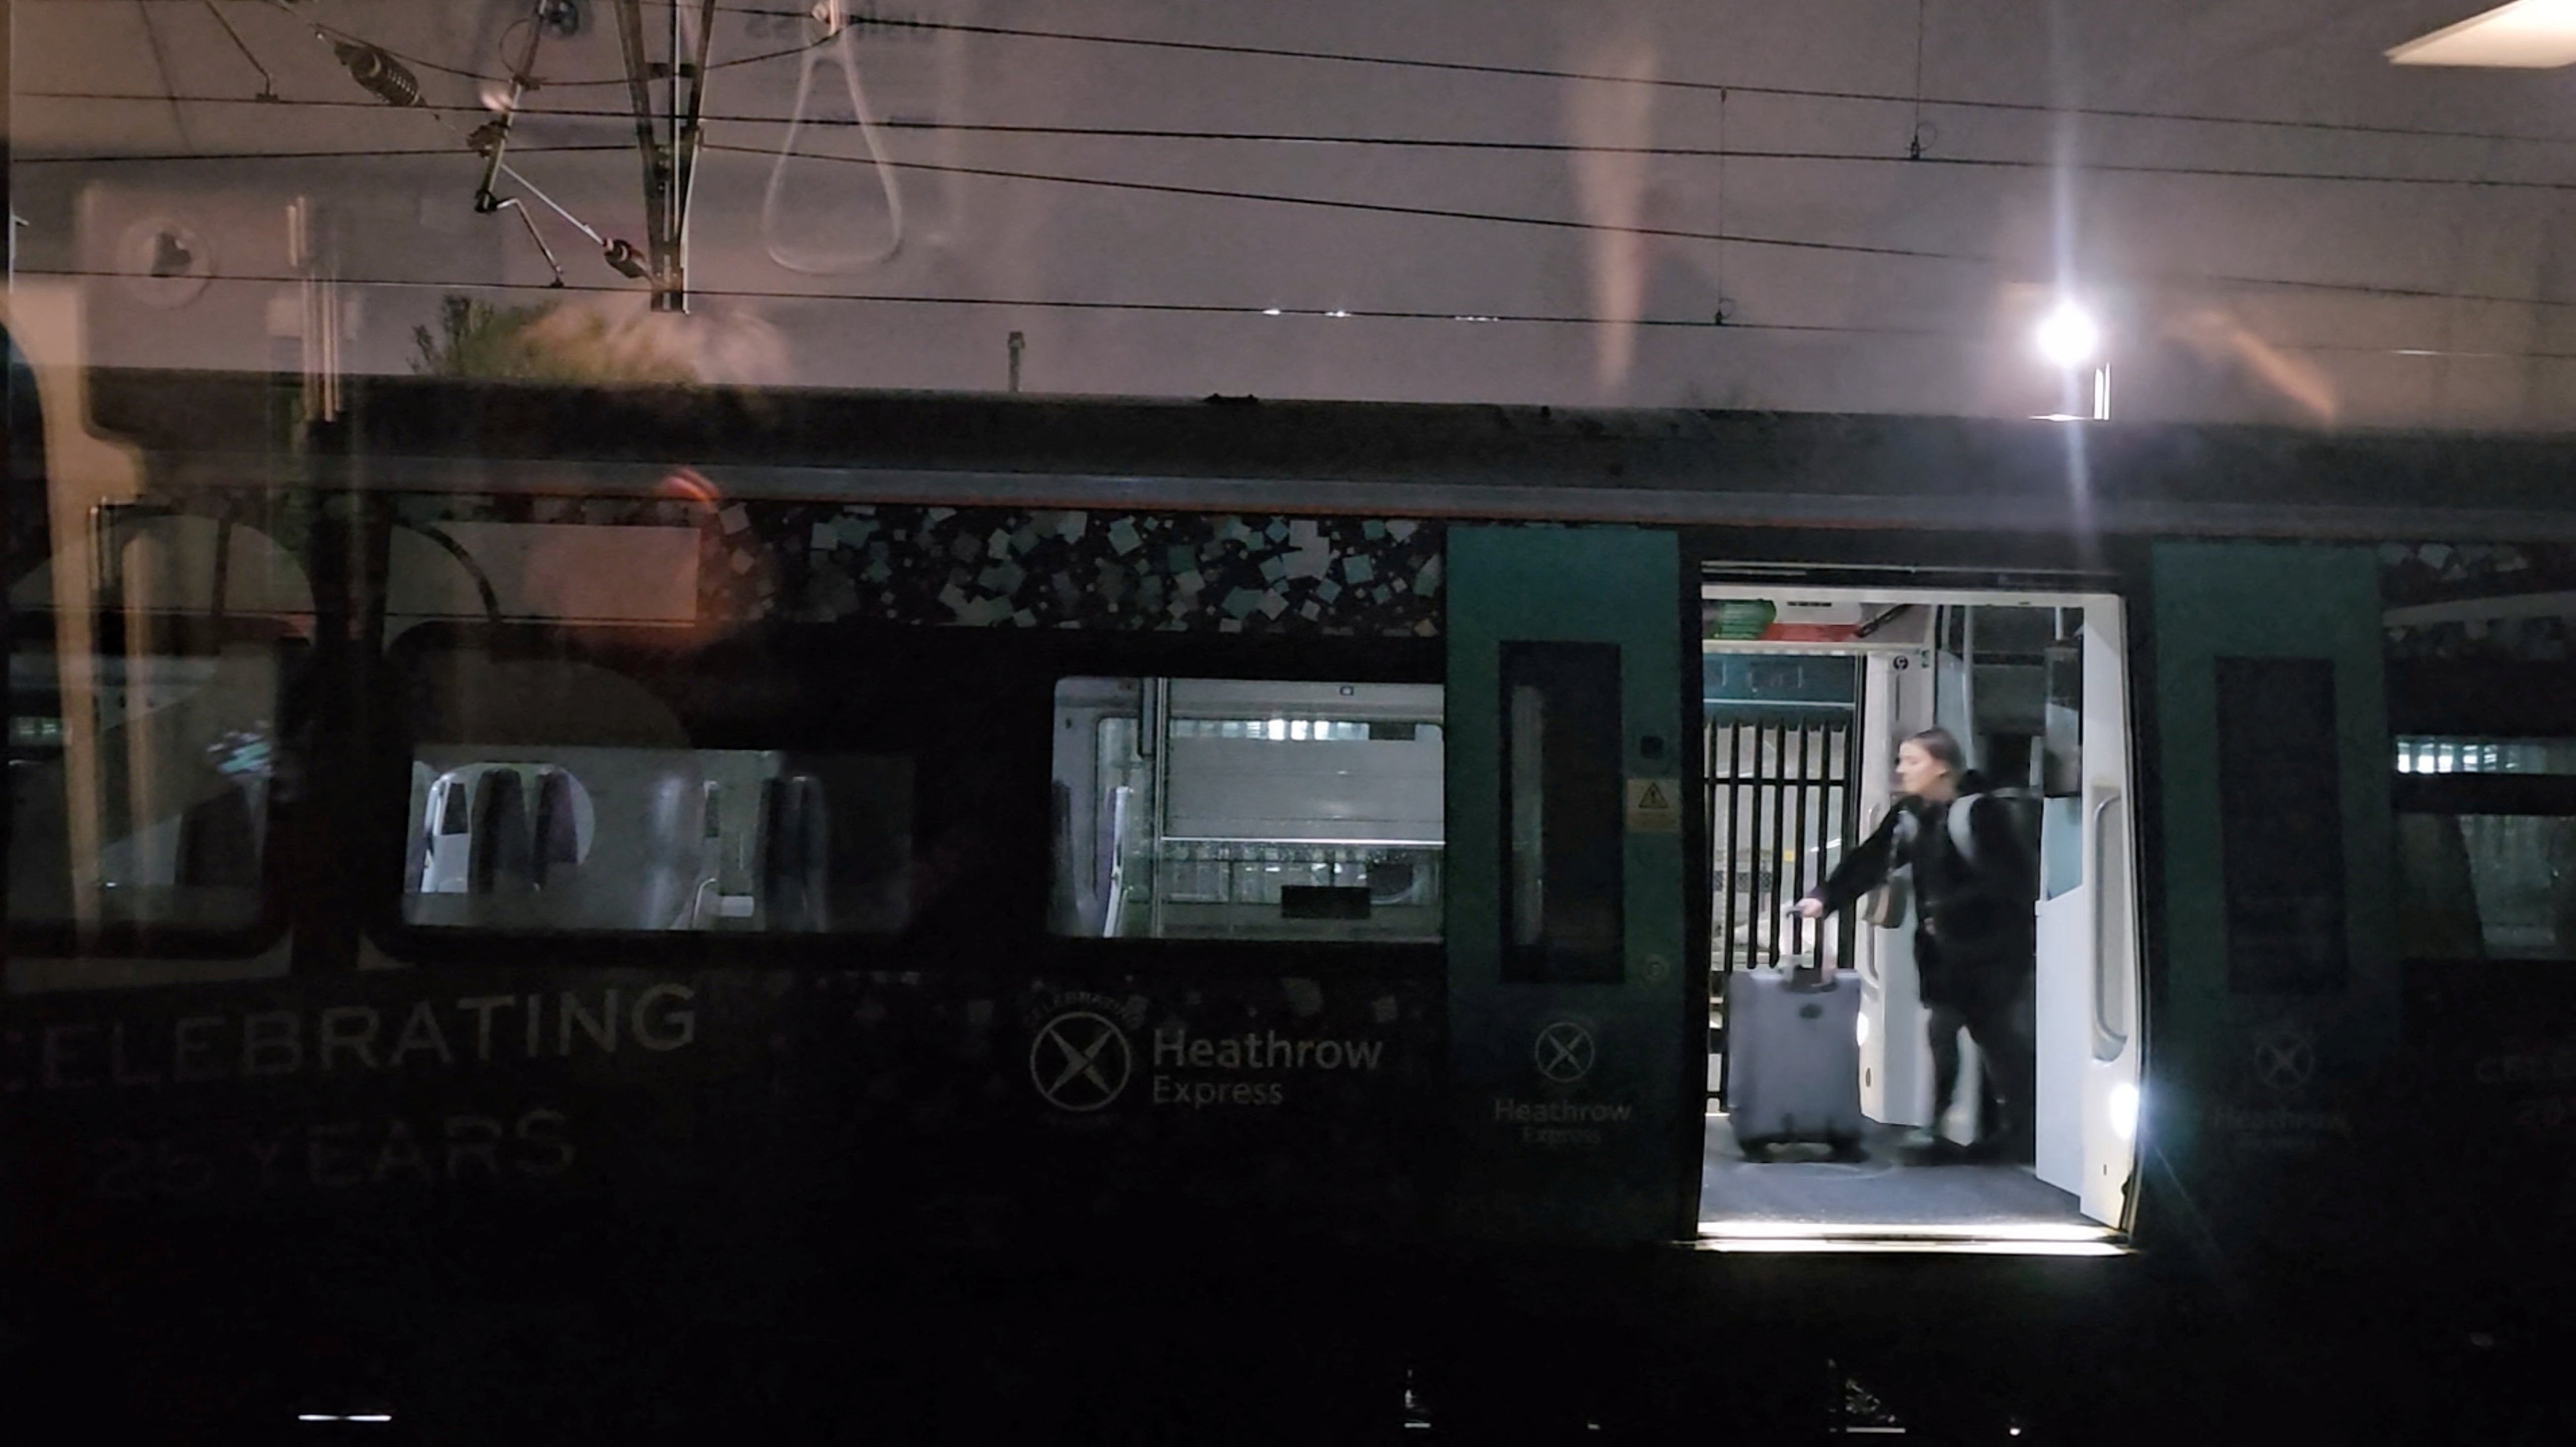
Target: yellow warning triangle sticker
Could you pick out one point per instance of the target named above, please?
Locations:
(1653, 798)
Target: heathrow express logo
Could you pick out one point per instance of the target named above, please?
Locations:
(1564, 1051)
(2286, 1059)
(1080, 1061)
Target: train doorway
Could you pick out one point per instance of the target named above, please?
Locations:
(1824, 1124)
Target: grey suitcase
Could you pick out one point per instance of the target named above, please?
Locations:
(1793, 1059)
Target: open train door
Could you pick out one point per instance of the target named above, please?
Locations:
(2281, 991)
(2090, 1045)
(1575, 1037)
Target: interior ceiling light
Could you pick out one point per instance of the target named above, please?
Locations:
(2525, 35)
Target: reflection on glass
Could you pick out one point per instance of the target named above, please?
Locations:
(1527, 810)
(617, 839)
(2425, 755)
(1251, 810)
(172, 779)
(1562, 813)
(2487, 886)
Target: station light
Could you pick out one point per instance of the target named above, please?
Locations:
(2068, 336)
(2525, 35)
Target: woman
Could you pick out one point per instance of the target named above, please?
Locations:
(1975, 936)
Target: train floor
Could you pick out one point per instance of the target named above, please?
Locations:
(1799, 1190)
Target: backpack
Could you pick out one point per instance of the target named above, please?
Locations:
(2021, 808)
(1961, 819)
(1886, 905)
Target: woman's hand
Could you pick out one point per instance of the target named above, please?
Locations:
(1811, 908)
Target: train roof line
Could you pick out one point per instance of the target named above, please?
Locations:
(1663, 467)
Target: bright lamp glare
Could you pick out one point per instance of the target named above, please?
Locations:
(2525, 35)
(2068, 336)
(2122, 1108)
(1860, 1030)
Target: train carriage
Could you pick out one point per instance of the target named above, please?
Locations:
(735, 845)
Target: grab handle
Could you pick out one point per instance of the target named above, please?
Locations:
(2110, 932)
(838, 35)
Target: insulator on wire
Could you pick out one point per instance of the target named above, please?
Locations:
(385, 78)
(622, 255)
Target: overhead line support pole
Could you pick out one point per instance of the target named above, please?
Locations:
(665, 255)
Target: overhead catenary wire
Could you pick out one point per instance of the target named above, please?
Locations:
(1536, 72)
(346, 153)
(1809, 244)
(1670, 233)
(1852, 248)
(1041, 303)
(884, 167)
(161, 67)
(2041, 108)
(267, 82)
(1446, 143)
(1962, 335)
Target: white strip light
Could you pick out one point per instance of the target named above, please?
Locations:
(1980, 1231)
(2525, 35)
(1918, 1247)
(1993, 1238)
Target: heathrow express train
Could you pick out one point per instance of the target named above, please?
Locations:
(702, 834)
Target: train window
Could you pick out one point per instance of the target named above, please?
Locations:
(1247, 809)
(1562, 816)
(588, 839)
(142, 801)
(2486, 847)
(2429, 755)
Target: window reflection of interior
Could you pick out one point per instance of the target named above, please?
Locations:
(176, 797)
(2487, 886)
(2420, 755)
(2497, 883)
(564, 838)
(1201, 808)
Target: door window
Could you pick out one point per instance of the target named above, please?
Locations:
(1562, 825)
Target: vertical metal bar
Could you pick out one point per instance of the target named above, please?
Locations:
(1748, 854)
(1780, 863)
(1748, 850)
(1848, 822)
(1798, 854)
(1735, 748)
(1818, 787)
(1811, 831)
(1748, 815)
(1726, 848)
(1725, 852)
(1708, 787)
(1721, 899)
(1758, 944)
